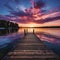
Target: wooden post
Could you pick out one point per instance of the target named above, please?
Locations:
(24, 32)
(33, 31)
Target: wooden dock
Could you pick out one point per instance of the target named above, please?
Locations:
(31, 47)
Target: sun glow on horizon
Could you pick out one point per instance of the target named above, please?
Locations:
(29, 25)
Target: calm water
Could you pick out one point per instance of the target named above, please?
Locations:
(50, 37)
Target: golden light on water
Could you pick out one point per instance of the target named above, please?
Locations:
(30, 30)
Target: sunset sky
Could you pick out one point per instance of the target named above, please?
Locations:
(31, 13)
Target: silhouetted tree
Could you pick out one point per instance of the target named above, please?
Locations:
(7, 24)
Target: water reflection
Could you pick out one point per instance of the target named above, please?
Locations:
(45, 34)
(7, 31)
(52, 31)
(8, 36)
(50, 36)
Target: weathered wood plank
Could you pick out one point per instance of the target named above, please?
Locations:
(31, 47)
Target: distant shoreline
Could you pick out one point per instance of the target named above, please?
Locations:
(42, 27)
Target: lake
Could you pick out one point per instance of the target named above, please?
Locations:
(50, 37)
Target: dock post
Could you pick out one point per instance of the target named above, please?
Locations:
(33, 31)
(24, 32)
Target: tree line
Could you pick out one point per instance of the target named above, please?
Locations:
(7, 24)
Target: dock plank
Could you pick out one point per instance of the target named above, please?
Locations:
(31, 47)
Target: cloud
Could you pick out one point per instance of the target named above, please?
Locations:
(16, 19)
(16, 1)
(55, 9)
(38, 21)
(39, 4)
(24, 15)
(47, 20)
(9, 7)
(3, 17)
(19, 13)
